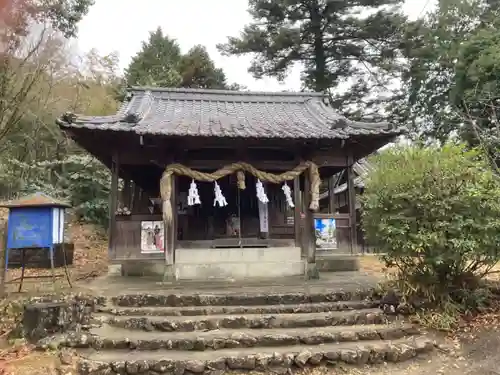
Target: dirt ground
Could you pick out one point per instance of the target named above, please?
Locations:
(474, 350)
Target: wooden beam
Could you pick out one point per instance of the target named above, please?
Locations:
(113, 201)
(175, 226)
(143, 155)
(170, 228)
(258, 160)
(351, 196)
(126, 196)
(329, 158)
(136, 196)
(198, 152)
(265, 165)
(297, 210)
(309, 234)
(331, 195)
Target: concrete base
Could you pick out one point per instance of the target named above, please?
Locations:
(222, 264)
(337, 263)
(238, 263)
(154, 268)
(114, 270)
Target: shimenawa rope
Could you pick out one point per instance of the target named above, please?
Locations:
(181, 170)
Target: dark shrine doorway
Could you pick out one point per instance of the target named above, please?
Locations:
(241, 210)
(208, 221)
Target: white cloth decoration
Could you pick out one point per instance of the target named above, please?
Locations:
(219, 198)
(261, 194)
(193, 197)
(288, 194)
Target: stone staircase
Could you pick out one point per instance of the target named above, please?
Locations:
(185, 334)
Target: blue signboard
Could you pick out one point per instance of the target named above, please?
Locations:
(36, 225)
(326, 233)
(30, 227)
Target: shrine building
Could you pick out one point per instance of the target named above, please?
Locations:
(211, 184)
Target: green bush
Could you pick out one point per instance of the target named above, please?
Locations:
(435, 213)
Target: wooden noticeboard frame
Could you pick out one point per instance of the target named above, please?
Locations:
(342, 221)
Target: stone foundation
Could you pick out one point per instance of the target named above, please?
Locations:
(266, 362)
(115, 270)
(235, 340)
(238, 263)
(337, 263)
(304, 308)
(47, 315)
(166, 324)
(243, 299)
(222, 264)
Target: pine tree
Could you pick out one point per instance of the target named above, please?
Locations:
(353, 41)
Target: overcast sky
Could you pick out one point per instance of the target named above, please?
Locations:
(121, 26)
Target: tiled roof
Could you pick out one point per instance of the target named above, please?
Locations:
(34, 200)
(235, 114)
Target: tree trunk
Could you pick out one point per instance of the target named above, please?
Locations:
(320, 73)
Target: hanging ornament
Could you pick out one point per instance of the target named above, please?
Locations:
(219, 198)
(193, 197)
(261, 194)
(288, 194)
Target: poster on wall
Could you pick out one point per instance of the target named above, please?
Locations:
(152, 237)
(326, 233)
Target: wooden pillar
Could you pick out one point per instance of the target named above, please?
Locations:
(297, 211)
(309, 234)
(3, 265)
(113, 202)
(171, 228)
(136, 197)
(170, 235)
(351, 204)
(127, 194)
(175, 215)
(331, 195)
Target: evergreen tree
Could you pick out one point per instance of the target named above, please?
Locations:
(198, 70)
(336, 42)
(452, 70)
(160, 63)
(157, 63)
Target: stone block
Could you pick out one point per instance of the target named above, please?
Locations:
(337, 263)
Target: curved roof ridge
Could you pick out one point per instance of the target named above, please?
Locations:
(327, 112)
(144, 106)
(226, 92)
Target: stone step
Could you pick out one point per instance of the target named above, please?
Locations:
(241, 298)
(231, 310)
(107, 337)
(255, 321)
(279, 360)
